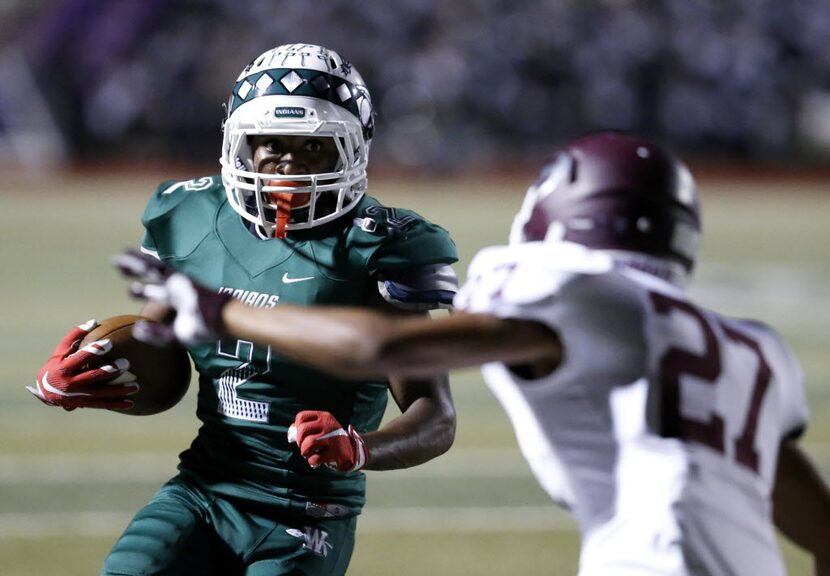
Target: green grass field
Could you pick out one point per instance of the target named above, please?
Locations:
(70, 481)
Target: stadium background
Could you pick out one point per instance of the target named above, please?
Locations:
(101, 100)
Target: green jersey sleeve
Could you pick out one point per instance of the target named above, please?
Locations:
(194, 216)
(410, 256)
(398, 238)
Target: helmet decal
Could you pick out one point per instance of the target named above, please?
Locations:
(311, 83)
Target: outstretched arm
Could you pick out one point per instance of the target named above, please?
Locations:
(801, 504)
(350, 342)
(414, 351)
(358, 343)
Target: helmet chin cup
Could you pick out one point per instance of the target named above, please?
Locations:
(297, 90)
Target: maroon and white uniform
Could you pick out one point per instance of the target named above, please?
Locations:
(660, 429)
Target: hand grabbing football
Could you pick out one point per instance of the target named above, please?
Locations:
(161, 373)
(103, 366)
(77, 374)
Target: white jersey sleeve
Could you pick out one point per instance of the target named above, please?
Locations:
(597, 315)
(515, 281)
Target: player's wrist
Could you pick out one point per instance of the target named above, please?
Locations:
(360, 448)
(212, 307)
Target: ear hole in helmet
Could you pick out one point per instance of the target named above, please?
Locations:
(574, 171)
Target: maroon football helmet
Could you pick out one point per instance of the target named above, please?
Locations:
(618, 192)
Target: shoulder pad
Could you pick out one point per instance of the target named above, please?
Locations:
(399, 238)
(187, 206)
(530, 272)
(171, 193)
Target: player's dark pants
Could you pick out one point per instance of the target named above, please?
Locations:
(184, 531)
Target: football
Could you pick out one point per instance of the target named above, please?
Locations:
(162, 372)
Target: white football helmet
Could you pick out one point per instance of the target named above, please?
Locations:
(297, 90)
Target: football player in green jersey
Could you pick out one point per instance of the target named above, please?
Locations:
(271, 484)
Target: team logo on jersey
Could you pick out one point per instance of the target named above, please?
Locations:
(316, 540)
(251, 297)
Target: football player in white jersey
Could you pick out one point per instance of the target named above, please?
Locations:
(668, 430)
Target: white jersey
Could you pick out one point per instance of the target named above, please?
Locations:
(660, 429)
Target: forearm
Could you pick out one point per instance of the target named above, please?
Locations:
(360, 343)
(339, 341)
(425, 430)
(801, 504)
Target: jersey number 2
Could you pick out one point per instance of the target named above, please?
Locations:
(254, 361)
(707, 367)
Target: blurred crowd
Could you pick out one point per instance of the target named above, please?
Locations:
(456, 83)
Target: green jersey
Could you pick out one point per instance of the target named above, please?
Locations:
(249, 395)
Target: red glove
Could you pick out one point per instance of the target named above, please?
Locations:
(72, 379)
(322, 440)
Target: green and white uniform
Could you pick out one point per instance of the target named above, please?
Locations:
(249, 395)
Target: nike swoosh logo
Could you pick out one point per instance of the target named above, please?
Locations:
(53, 390)
(287, 280)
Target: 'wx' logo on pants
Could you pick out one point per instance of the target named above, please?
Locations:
(316, 540)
